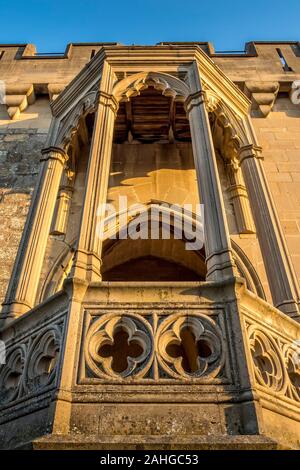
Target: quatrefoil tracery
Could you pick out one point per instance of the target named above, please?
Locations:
(119, 347)
(190, 350)
(292, 362)
(40, 370)
(11, 374)
(30, 366)
(268, 365)
(276, 362)
(190, 347)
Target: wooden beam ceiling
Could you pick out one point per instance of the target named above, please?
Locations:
(151, 117)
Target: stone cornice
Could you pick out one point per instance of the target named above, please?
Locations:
(51, 73)
(106, 99)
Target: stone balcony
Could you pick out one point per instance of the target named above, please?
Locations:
(156, 360)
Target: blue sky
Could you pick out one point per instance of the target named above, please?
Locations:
(50, 25)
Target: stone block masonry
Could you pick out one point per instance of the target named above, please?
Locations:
(20, 153)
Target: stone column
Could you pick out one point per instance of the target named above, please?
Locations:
(239, 197)
(219, 260)
(87, 261)
(63, 204)
(282, 279)
(28, 265)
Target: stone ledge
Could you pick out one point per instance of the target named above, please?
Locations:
(151, 442)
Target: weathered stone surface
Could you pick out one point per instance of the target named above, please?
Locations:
(84, 442)
(20, 153)
(116, 343)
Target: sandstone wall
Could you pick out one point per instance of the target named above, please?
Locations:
(279, 136)
(20, 145)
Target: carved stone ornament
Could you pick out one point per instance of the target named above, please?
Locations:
(69, 125)
(269, 368)
(169, 86)
(11, 374)
(119, 346)
(31, 366)
(40, 369)
(292, 361)
(190, 346)
(212, 100)
(276, 362)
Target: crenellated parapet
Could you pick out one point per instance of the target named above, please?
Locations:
(276, 63)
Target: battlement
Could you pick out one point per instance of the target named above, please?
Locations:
(278, 60)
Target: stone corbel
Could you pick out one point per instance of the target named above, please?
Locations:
(262, 95)
(212, 100)
(18, 97)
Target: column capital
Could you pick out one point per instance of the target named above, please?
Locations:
(194, 99)
(250, 151)
(206, 96)
(54, 153)
(236, 191)
(23, 286)
(87, 258)
(106, 99)
(219, 259)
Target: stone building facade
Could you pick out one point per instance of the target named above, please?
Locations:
(117, 341)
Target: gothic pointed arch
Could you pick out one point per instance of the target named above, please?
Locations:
(69, 124)
(166, 83)
(123, 255)
(247, 271)
(166, 257)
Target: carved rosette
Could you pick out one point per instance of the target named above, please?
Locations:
(189, 346)
(119, 346)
